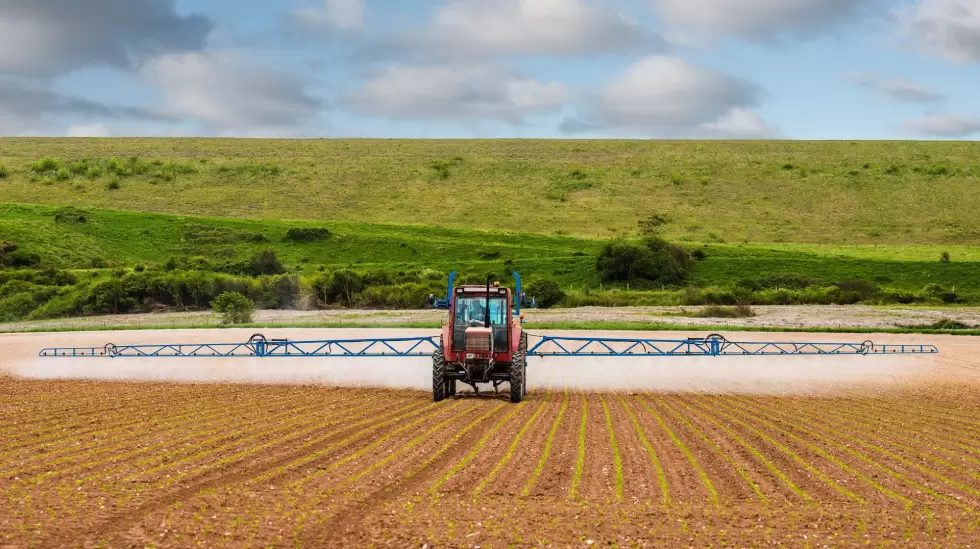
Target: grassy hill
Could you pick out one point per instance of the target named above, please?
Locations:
(831, 193)
(123, 225)
(111, 237)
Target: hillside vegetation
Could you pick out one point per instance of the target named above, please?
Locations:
(736, 192)
(143, 225)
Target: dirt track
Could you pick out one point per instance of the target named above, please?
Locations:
(228, 465)
(778, 316)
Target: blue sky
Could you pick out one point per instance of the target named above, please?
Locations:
(796, 69)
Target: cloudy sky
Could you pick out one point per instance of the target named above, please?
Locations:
(798, 69)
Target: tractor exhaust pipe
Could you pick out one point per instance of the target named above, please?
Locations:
(486, 312)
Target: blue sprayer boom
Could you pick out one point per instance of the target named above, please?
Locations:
(484, 341)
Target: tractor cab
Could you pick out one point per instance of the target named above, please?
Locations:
(482, 342)
(480, 319)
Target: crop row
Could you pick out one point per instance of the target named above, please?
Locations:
(309, 464)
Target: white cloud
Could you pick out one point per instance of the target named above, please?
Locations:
(943, 126)
(343, 15)
(755, 20)
(478, 92)
(88, 130)
(740, 123)
(895, 88)
(529, 27)
(50, 37)
(228, 91)
(948, 28)
(668, 96)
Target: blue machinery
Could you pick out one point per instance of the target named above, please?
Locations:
(519, 298)
(543, 346)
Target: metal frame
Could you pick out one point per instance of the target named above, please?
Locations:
(713, 345)
(259, 346)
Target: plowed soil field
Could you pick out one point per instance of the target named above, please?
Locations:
(130, 463)
(118, 464)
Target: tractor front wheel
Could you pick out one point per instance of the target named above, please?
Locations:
(517, 370)
(439, 385)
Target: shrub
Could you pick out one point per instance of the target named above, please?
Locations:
(344, 287)
(233, 307)
(653, 260)
(715, 311)
(46, 165)
(306, 234)
(4, 173)
(789, 281)
(652, 223)
(6, 248)
(944, 257)
(546, 292)
(16, 307)
(441, 168)
(63, 174)
(108, 296)
(939, 292)
(22, 258)
(69, 214)
(113, 185)
(265, 263)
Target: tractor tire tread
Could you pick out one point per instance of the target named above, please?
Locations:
(517, 377)
(438, 376)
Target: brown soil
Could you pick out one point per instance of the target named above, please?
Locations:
(326, 467)
(126, 464)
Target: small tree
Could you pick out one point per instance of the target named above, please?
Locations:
(265, 263)
(652, 260)
(547, 293)
(233, 307)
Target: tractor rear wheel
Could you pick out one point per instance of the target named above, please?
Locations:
(439, 384)
(517, 371)
(523, 349)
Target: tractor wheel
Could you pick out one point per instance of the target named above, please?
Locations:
(439, 376)
(523, 350)
(517, 371)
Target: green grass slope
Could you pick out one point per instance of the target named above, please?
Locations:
(129, 238)
(738, 192)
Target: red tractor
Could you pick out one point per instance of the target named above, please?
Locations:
(483, 342)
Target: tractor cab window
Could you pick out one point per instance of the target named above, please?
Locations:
(472, 310)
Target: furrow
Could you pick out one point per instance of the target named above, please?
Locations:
(547, 447)
(709, 404)
(759, 456)
(724, 454)
(753, 414)
(794, 421)
(617, 459)
(580, 460)
(79, 452)
(459, 465)
(510, 450)
(654, 459)
(713, 494)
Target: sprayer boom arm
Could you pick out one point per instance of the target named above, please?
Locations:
(713, 345)
(545, 346)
